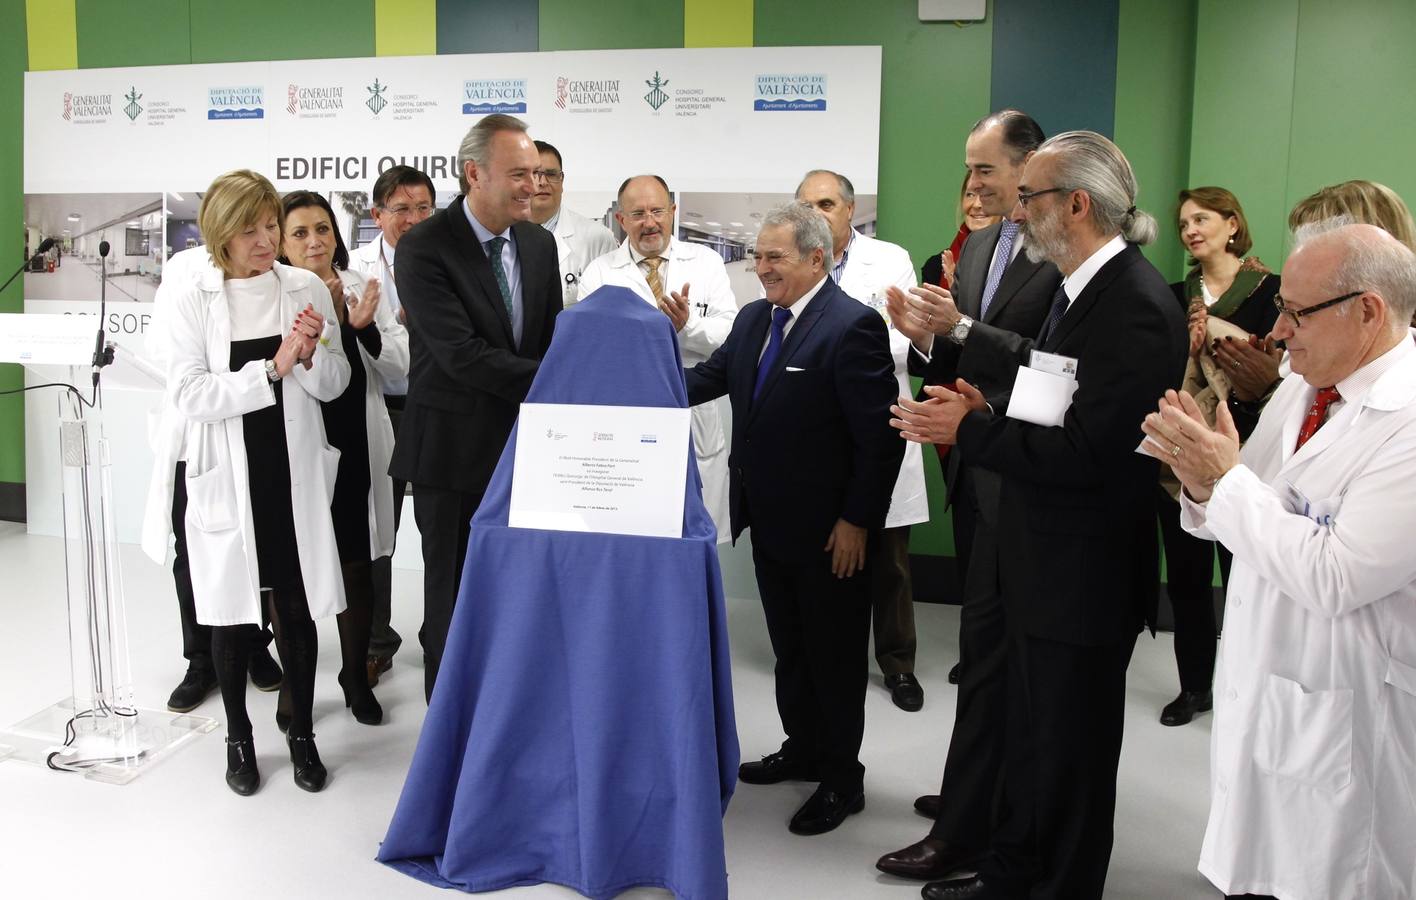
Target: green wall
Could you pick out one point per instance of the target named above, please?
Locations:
(14, 58)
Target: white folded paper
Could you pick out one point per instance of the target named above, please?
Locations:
(1041, 397)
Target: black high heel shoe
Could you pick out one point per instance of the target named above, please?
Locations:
(362, 703)
(310, 773)
(242, 776)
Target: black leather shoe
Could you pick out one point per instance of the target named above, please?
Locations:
(310, 773)
(906, 691)
(265, 671)
(1184, 707)
(242, 776)
(775, 768)
(954, 674)
(377, 665)
(196, 686)
(929, 805)
(927, 859)
(970, 887)
(826, 809)
(360, 700)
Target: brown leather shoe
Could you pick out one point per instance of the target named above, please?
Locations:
(377, 666)
(928, 805)
(926, 860)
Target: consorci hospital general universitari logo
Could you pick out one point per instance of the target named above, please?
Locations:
(790, 93)
(240, 102)
(489, 96)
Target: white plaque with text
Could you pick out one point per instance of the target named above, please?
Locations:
(609, 469)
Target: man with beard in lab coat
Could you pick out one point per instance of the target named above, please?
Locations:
(1313, 759)
(864, 267)
(690, 284)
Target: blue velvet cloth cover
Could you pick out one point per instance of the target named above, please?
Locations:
(581, 731)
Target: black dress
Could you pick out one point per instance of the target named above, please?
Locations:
(268, 476)
(347, 432)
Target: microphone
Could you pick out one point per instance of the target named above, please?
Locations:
(44, 247)
(101, 356)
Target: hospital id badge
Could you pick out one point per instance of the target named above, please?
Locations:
(1053, 364)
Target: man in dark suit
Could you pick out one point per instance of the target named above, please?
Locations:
(481, 286)
(813, 460)
(1076, 507)
(997, 288)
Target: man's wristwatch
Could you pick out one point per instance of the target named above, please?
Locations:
(272, 373)
(960, 332)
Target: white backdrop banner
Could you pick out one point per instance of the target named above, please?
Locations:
(749, 119)
(109, 146)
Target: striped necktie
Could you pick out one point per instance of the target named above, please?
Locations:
(1006, 236)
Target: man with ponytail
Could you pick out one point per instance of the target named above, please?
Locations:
(1076, 509)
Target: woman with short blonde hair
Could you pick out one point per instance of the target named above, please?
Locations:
(251, 357)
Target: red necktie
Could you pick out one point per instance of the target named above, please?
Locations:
(1316, 414)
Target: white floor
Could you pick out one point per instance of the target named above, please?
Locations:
(78, 279)
(177, 831)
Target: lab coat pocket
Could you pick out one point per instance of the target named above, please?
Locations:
(1401, 676)
(707, 430)
(1305, 735)
(329, 468)
(211, 500)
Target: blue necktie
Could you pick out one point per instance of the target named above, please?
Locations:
(494, 255)
(1054, 315)
(1006, 236)
(780, 318)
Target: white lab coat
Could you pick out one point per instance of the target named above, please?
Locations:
(371, 261)
(872, 266)
(579, 241)
(392, 365)
(167, 428)
(711, 311)
(1313, 754)
(220, 533)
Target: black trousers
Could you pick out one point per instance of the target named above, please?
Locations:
(1066, 709)
(196, 637)
(819, 626)
(972, 769)
(444, 518)
(1189, 573)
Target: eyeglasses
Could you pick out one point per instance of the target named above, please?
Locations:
(1027, 196)
(639, 215)
(554, 176)
(1296, 316)
(771, 257)
(403, 211)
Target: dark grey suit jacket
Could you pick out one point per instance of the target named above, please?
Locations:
(467, 375)
(1019, 307)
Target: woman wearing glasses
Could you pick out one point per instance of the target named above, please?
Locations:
(1230, 302)
(358, 426)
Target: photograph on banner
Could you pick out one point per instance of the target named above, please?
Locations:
(728, 223)
(79, 223)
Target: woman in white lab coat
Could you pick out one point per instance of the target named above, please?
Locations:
(253, 349)
(357, 425)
